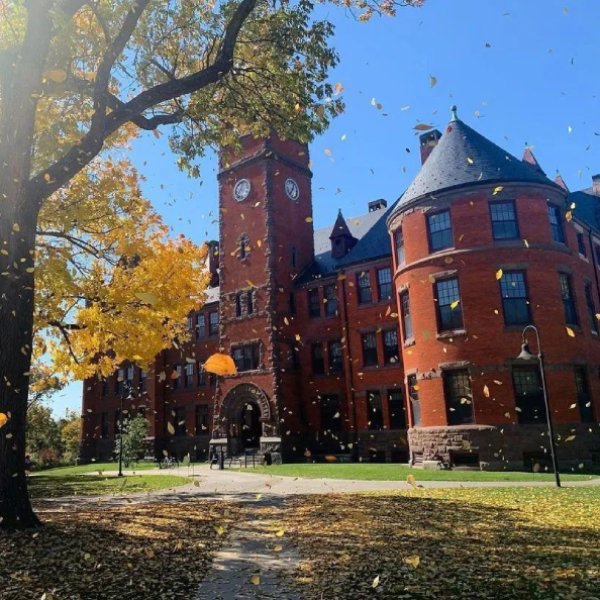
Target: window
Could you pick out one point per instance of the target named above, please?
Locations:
(201, 374)
(331, 300)
(179, 416)
(201, 421)
(244, 246)
(331, 419)
(581, 245)
(363, 281)
(238, 305)
(104, 386)
(294, 256)
(120, 387)
(504, 221)
(374, 410)
(449, 309)
(336, 364)
(415, 404)
(515, 301)
(556, 228)
(176, 376)
(369, 348)
(439, 230)
(130, 373)
(104, 426)
(459, 401)
(584, 400)
(529, 398)
(396, 409)
(406, 318)
(390, 347)
(400, 258)
(292, 303)
(143, 380)
(317, 360)
(190, 324)
(597, 252)
(566, 292)
(250, 302)
(591, 306)
(201, 326)
(314, 303)
(384, 283)
(213, 323)
(189, 375)
(246, 358)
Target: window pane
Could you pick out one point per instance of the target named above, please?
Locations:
(369, 346)
(374, 410)
(335, 358)
(400, 258)
(390, 346)
(213, 328)
(514, 298)
(584, 399)
(529, 398)
(396, 409)
(201, 326)
(201, 419)
(415, 405)
(406, 318)
(384, 283)
(504, 221)
(314, 303)
(554, 216)
(591, 307)
(567, 298)
(331, 418)
(331, 304)
(364, 287)
(448, 304)
(318, 362)
(459, 400)
(179, 417)
(440, 231)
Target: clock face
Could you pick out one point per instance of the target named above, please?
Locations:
(291, 189)
(241, 189)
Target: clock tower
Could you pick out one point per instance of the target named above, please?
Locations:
(266, 239)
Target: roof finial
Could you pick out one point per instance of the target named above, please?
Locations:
(453, 110)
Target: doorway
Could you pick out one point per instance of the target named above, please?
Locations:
(251, 427)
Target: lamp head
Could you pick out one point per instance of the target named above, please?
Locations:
(525, 353)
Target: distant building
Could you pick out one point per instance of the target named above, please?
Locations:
(389, 336)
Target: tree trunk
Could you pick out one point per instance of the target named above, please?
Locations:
(19, 210)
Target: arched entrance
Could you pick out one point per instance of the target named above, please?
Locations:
(246, 415)
(250, 426)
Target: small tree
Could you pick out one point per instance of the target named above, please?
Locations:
(70, 435)
(133, 438)
(43, 437)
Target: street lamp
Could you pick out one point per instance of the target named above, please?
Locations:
(127, 390)
(526, 354)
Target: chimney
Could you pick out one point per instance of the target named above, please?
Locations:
(428, 142)
(213, 262)
(377, 204)
(596, 185)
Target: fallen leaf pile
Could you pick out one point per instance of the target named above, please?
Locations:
(151, 551)
(503, 543)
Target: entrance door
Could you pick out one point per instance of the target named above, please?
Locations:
(251, 426)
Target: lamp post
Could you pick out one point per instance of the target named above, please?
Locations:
(121, 435)
(526, 354)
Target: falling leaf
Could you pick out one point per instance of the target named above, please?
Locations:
(423, 127)
(220, 364)
(3, 419)
(497, 190)
(499, 273)
(170, 428)
(569, 438)
(309, 219)
(454, 304)
(375, 582)
(568, 215)
(570, 332)
(432, 80)
(486, 391)
(255, 580)
(278, 548)
(280, 533)
(470, 160)
(327, 152)
(410, 479)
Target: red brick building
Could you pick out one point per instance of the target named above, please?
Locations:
(313, 318)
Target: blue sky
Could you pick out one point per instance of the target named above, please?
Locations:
(519, 72)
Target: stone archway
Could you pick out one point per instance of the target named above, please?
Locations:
(246, 413)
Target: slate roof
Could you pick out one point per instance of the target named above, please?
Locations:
(373, 242)
(464, 157)
(587, 207)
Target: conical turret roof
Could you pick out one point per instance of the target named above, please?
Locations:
(464, 157)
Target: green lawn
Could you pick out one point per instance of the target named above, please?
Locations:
(58, 485)
(447, 544)
(395, 472)
(95, 468)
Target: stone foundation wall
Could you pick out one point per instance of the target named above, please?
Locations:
(505, 447)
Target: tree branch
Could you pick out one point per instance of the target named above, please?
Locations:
(90, 145)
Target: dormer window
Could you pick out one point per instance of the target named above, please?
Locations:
(244, 246)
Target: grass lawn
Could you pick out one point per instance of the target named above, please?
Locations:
(395, 472)
(54, 486)
(94, 468)
(451, 544)
(128, 553)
